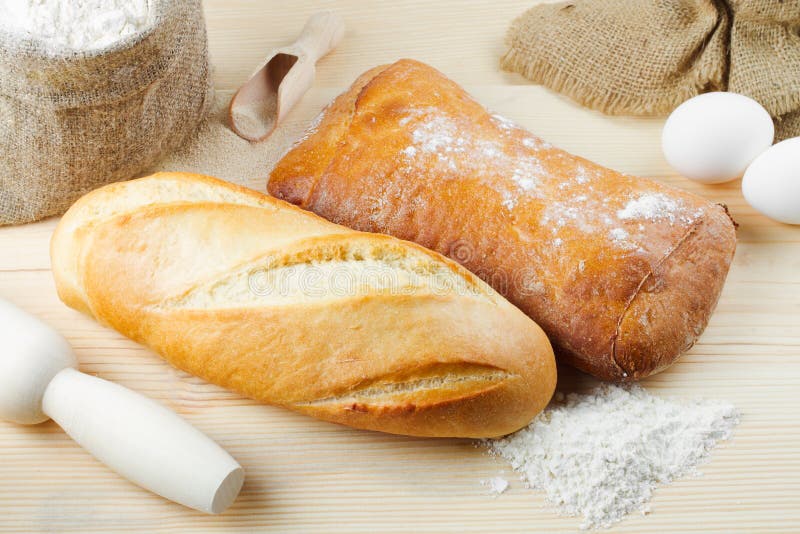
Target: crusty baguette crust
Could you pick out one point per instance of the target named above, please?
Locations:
(621, 272)
(192, 267)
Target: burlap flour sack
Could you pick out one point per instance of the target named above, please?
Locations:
(72, 121)
(644, 57)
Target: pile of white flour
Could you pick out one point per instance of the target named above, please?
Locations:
(601, 455)
(75, 24)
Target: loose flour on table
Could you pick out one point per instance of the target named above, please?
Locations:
(495, 485)
(216, 150)
(601, 455)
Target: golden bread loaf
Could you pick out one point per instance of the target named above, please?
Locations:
(621, 272)
(273, 302)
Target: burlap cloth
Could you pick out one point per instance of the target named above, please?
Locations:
(645, 57)
(71, 121)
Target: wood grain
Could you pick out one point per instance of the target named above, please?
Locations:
(307, 476)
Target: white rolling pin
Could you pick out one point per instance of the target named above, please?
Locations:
(133, 435)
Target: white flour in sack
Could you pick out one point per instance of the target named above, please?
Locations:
(75, 24)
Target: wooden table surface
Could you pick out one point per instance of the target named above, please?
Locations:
(309, 476)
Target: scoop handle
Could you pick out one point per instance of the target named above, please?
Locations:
(143, 441)
(321, 34)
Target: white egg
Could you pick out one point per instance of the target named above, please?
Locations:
(713, 137)
(771, 183)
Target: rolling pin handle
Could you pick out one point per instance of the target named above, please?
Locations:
(143, 441)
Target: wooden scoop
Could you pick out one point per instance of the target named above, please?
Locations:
(284, 77)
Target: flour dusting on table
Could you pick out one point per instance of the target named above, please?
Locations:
(496, 485)
(600, 456)
(216, 150)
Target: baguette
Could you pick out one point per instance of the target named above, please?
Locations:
(621, 272)
(260, 297)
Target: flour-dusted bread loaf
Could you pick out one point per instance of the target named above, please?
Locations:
(621, 272)
(258, 296)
